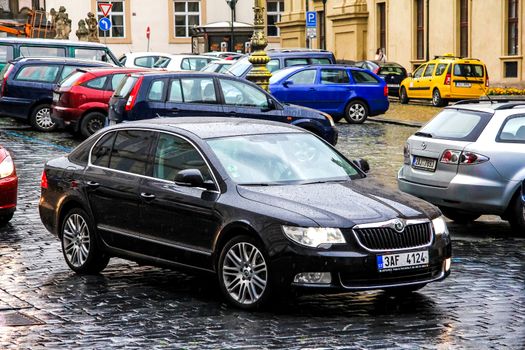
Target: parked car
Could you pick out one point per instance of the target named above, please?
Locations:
(341, 91)
(446, 78)
(142, 59)
(183, 62)
(264, 206)
(26, 88)
(198, 94)
(219, 66)
(8, 186)
(391, 72)
(80, 102)
(470, 160)
(12, 48)
(281, 58)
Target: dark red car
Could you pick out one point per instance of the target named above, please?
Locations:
(8, 186)
(80, 102)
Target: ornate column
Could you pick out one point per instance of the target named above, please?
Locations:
(259, 74)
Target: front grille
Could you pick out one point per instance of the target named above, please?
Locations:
(386, 238)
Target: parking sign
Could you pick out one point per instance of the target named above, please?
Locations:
(311, 19)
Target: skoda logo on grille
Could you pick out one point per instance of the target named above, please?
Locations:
(399, 225)
(423, 146)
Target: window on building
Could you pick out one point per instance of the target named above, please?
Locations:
(116, 16)
(381, 10)
(512, 27)
(511, 69)
(463, 28)
(273, 15)
(420, 30)
(187, 15)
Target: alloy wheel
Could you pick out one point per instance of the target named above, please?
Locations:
(357, 112)
(245, 273)
(43, 118)
(95, 125)
(76, 240)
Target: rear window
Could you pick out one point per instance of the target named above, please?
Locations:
(240, 67)
(125, 87)
(45, 74)
(456, 124)
(392, 70)
(70, 80)
(40, 51)
(468, 70)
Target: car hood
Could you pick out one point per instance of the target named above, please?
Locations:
(300, 111)
(341, 204)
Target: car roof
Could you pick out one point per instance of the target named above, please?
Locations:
(212, 127)
(60, 60)
(109, 70)
(170, 73)
(489, 106)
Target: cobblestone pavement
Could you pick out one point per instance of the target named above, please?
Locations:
(43, 304)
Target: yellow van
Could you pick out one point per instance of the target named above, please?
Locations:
(446, 78)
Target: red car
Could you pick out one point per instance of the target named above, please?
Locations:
(8, 186)
(80, 102)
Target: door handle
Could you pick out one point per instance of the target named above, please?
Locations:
(148, 197)
(232, 113)
(92, 184)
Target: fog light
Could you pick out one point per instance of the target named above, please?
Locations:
(447, 264)
(313, 278)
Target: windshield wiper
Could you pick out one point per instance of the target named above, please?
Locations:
(322, 181)
(424, 134)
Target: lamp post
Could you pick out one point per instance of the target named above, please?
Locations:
(232, 4)
(259, 74)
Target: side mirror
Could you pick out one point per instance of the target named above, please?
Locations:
(362, 164)
(270, 107)
(189, 178)
(287, 82)
(409, 75)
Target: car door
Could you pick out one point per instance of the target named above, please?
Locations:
(414, 86)
(111, 182)
(190, 96)
(333, 90)
(247, 101)
(508, 155)
(371, 89)
(179, 221)
(297, 87)
(426, 81)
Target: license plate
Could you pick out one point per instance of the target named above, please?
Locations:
(427, 164)
(463, 85)
(56, 97)
(402, 261)
(393, 85)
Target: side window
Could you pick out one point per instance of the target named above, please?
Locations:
(198, 90)
(42, 51)
(102, 150)
(441, 68)
(419, 71)
(429, 70)
(175, 91)
(116, 80)
(295, 62)
(273, 65)
(193, 63)
(363, 77)
(320, 61)
(334, 76)
(66, 71)
(303, 77)
(91, 54)
(97, 83)
(44, 74)
(130, 151)
(174, 154)
(240, 94)
(6, 53)
(513, 130)
(156, 90)
(145, 61)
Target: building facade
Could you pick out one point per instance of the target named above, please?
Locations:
(170, 21)
(411, 31)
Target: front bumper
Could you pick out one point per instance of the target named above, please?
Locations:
(8, 197)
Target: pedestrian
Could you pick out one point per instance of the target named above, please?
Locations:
(380, 56)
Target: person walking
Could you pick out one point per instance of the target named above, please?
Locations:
(380, 56)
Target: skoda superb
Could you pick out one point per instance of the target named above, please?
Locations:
(263, 206)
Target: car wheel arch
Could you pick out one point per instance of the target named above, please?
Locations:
(520, 189)
(360, 99)
(92, 110)
(38, 103)
(229, 232)
(65, 208)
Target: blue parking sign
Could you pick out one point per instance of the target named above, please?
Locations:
(311, 19)
(104, 24)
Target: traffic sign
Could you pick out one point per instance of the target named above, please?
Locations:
(311, 19)
(311, 32)
(105, 8)
(104, 24)
(148, 32)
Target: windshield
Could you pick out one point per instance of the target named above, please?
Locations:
(125, 87)
(240, 67)
(456, 124)
(70, 80)
(468, 70)
(273, 159)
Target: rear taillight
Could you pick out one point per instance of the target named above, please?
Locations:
(451, 156)
(487, 80)
(133, 95)
(4, 79)
(376, 70)
(43, 181)
(447, 79)
(385, 91)
(7, 167)
(406, 154)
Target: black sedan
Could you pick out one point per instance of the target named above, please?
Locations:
(263, 206)
(391, 72)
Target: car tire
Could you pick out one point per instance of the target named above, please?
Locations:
(459, 217)
(401, 291)
(91, 123)
(4, 219)
(437, 101)
(403, 97)
(356, 112)
(80, 243)
(40, 118)
(244, 273)
(517, 214)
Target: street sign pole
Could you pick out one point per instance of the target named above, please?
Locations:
(148, 35)
(105, 23)
(311, 25)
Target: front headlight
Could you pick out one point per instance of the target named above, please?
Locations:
(440, 227)
(7, 167)
(314, 236)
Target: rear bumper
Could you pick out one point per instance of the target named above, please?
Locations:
(65, 116)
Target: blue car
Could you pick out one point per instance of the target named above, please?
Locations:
(341, 91)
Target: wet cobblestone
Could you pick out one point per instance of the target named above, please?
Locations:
(481, 305)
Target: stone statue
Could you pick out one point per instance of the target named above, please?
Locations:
(62, 23)
(92, 26)
(82, 32)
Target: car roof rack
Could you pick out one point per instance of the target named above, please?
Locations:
(465, 102)
(502, 104)
(510, 104)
